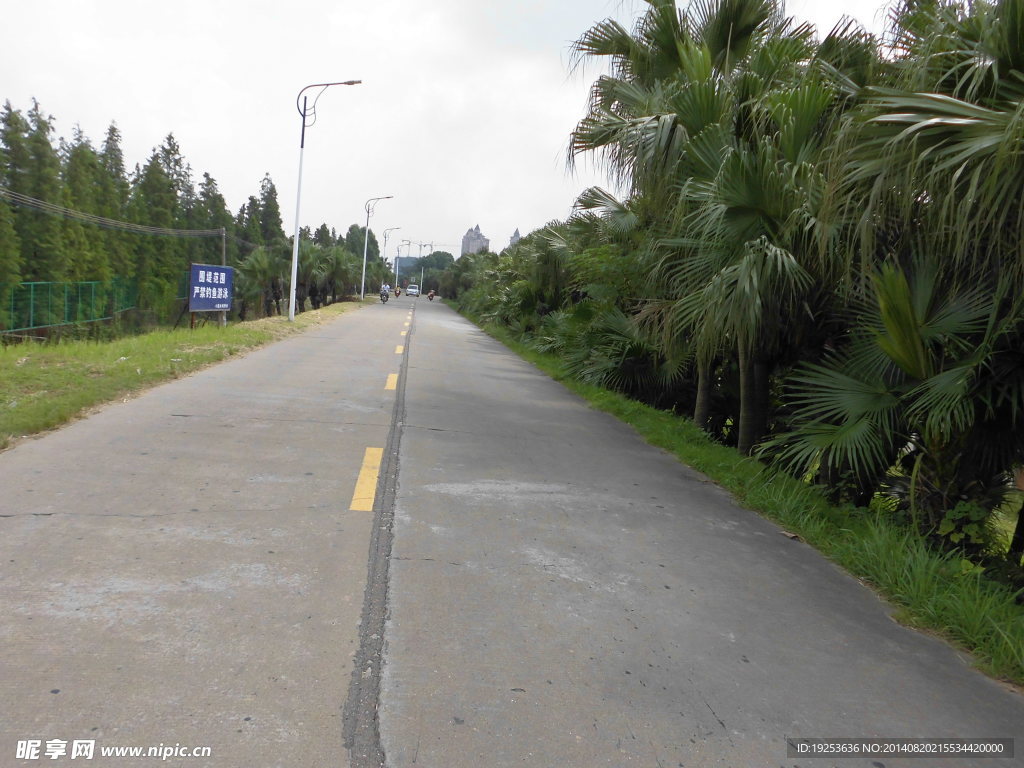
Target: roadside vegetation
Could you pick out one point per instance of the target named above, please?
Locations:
(816, 257)
(142, 229)
(45, 385)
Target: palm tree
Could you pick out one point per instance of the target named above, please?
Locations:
(931, 185)
(336, 272)
(930, 382)
(261, 277)
(721, 118)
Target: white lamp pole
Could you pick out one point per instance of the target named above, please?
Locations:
(384, 250)
(306, 114)
(404, 242)
(421, 265)
(370, 205)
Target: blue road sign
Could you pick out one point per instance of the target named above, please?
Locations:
(209, 288)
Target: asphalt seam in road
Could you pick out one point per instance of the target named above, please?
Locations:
(360, 725)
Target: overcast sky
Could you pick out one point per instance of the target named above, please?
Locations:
(464, 112)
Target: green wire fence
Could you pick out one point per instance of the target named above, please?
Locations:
(28, 306)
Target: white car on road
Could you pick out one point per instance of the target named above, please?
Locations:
(412, 290)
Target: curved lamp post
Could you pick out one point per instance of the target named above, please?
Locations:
(384, 250)
(408, 255)
(370, 205)
(421, 263)
(308, 118)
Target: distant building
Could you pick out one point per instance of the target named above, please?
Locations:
(516, 237)
(474, 241)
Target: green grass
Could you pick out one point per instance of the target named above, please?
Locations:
(933, 591)
(43, 386)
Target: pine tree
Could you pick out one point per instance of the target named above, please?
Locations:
(16, 160)
(13, 132)
(247, 224)
(112, 203)
(10, 258)
(271, 228)
(84, 243)
(154, 202)
(212, 213)
(179, 172)
(354, 241)
(10, 247)
(41, 236)
(323, 236)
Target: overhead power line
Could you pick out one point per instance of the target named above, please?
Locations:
(125, 226)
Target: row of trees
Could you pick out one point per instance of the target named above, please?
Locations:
(75, 174)
(432, 267)
(819, 252)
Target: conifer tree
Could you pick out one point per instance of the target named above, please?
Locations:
(112, 203)
(85, 243)
(354, 241)
(323, 236)
(212, 213)
(153, 202)
(247, 223)
(179, 172)
(10, 247)
(271, 229)
(10, 257)
(41, 236)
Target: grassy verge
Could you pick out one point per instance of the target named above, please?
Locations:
(45, 385)
(932, 591)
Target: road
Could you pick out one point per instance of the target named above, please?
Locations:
(542, 588)
(185, 567)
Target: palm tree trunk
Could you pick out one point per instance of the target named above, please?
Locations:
(762, 397)
(1017, 543)
(747, 435)
(702, 409)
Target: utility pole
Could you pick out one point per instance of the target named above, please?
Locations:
(421, 265)
(306, 114)
(370, 204)
(404, 242)
(223, 263)
(384, 251)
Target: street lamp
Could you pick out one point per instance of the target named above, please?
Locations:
(370, 205)
(384, 250)
(421, 264)
(306, 114)
(404, 242)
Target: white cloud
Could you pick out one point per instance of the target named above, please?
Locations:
(463, 115)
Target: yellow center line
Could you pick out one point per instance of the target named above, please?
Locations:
(399, 349)
(406, 325)
(392, 382)
(366, 485)
(405, 333)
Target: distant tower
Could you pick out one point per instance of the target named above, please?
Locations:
(516, 237)
(474, 241)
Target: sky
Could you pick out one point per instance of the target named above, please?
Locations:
(463, 115)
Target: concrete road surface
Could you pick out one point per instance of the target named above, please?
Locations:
(564, 595)
(185, 569)
(390, 541)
